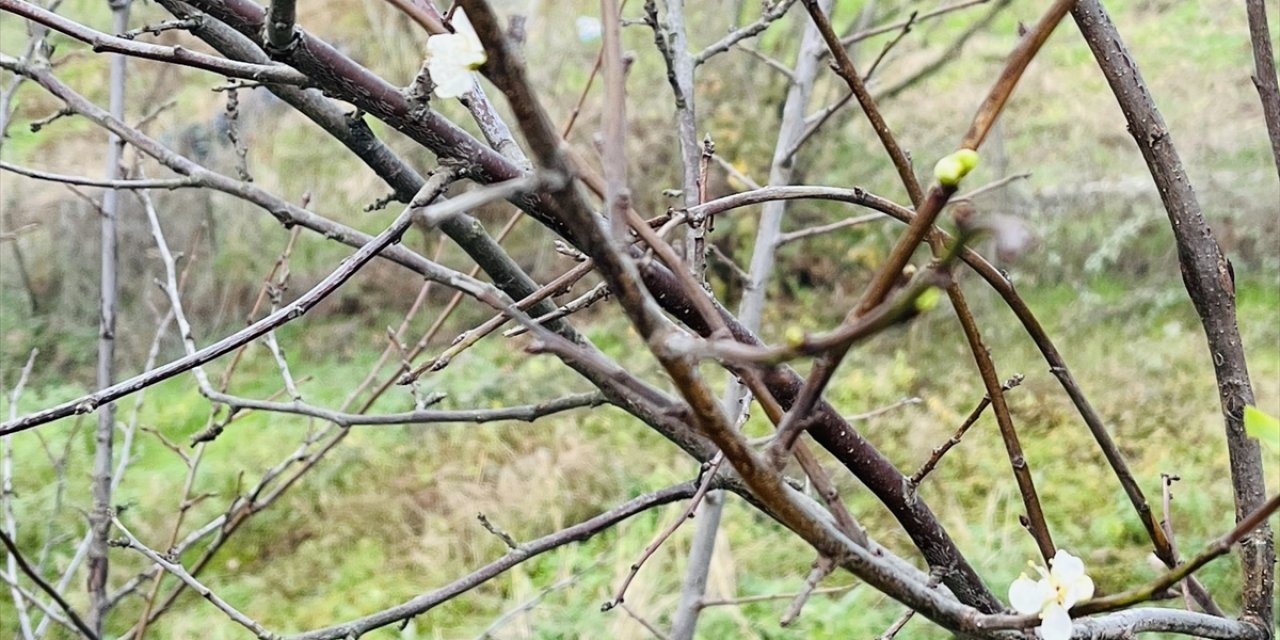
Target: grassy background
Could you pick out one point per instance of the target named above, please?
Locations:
(391, 513)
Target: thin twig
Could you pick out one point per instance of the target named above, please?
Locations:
(827, 228)
(822, 567)
(7, 495)
(160, 183)
(644, 623)
(1264, 73)
(529, 604)
(177, 55)
(941, 450)
(130, 542)
(46, 587)
(427, 601)
(704, 484)
(291, 311)
(1215, 549)
(768, 17)
(733, 602)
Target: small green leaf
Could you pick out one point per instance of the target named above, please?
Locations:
(1262, 426)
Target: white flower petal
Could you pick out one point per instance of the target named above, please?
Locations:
(451, 57)
(1029, 596)
(461, 23)
(1056, 624)
(1066, 568)
(589, 28)
(452, 84)
(1080, 589)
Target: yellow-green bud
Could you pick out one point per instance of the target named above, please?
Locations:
(928, 299)
(951, 169)
(794, 336)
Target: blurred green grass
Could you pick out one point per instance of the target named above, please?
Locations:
(392, 512)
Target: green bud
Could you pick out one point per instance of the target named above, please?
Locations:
(951, 169)
(794, 336)
(928, 299)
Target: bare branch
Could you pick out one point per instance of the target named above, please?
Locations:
(130, 542)
(104, 436)
(733, 602)
(1264, 73)
(770, 15)
(293, 310)
(1207, 275)
(822, 567)
(827, 228)
(529, 604)
(708, 472)
(523, 413)
(162, 183)
(941, 450)
(577, 533)
(46, 587)
(177, 55)
(7, 496)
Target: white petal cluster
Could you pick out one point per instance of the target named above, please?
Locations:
(589, 28)
(1057, 590)
(452, 58)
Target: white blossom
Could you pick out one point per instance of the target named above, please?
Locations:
(589, 28)
(452, 58)
(1053, 595)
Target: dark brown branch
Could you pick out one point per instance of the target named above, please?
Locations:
(928, 208)
(345, 79)
(1206, 273)
(844, 67)
(1005, 288)
(280, 26)
(356, 135)
(765, 484)
(1264, 73)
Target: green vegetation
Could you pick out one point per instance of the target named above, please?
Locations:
(391, 513)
